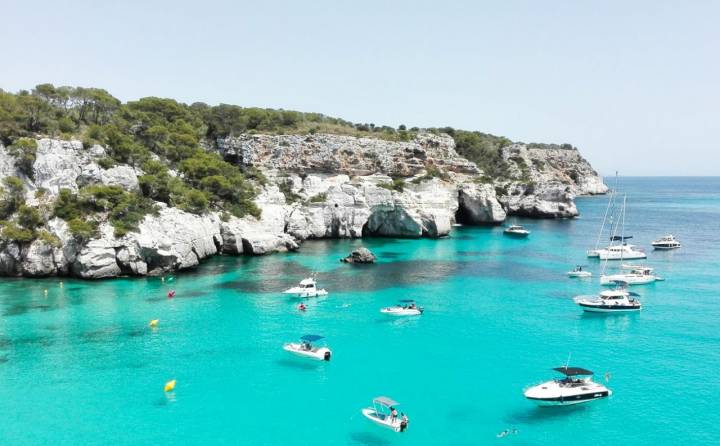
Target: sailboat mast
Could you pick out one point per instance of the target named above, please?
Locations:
(611, 201)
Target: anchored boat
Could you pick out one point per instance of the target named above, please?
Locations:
(516, 231)
(578, 271)
(575, 388)
(618, 300)
(384, 413)
(405, 307)
(306, 288)
(666, 243)
(638, 275)
(306, 349)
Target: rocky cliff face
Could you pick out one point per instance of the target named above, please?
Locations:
(320, 186)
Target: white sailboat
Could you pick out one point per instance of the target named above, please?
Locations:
(608, 212)
(623, 250)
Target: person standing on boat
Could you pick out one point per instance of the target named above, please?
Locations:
(393, 414)
(403, 422)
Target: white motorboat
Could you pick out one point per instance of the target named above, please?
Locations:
(384, 413)
(618, 300)
(578, 271)
(577, 387)
(638, 275)
(306, 349)
(306, 288)
(667, 242)
(405, 307)
(516, 231)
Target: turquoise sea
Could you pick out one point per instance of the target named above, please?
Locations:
(81, 366)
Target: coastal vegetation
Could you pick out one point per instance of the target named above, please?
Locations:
(165, 141)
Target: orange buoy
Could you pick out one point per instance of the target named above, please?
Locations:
(170, 386)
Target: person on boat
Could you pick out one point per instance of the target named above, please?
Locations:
(393, 414)
(404, 420)
(412, 306)
(306, 346)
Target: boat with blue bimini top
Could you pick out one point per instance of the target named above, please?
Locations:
(405, 307)
(575, 388)
(384, 413)
(306, 349)
(617, 300)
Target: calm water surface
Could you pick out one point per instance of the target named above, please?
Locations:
(80, 365)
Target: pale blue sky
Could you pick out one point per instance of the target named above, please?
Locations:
(635, 85)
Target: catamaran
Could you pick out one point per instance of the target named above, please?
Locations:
(608, 213)
(624, 250)
(636, 275)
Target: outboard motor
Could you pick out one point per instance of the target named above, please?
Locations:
(327, 356)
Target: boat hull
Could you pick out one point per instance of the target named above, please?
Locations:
(381, 420)
(317, 354)
(624, 256)
(665, 247)
(579, 274)
(398, 312)
(627, 278)
(569, 401)
(592, 308)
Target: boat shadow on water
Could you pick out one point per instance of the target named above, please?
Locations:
(300, 364)
(367, 438)
(533, 415)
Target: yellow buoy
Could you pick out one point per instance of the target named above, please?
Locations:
(154, 322)
(170, 386)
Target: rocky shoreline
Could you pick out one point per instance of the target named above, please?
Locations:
(319, 186)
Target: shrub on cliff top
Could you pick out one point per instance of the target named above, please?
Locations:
(24, 150)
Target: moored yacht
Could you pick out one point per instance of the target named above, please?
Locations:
(577, 387)
(624, 251)
(618, 300)
(637, 275)
(667, 242)
(516, 231)
(306, 288)
(384, 413)
(306, 349)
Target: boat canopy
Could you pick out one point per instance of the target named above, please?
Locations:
(311, 338)
(616, 238)
(385, 401)
(572, 371)
(407, 300)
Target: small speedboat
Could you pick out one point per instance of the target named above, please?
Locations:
(577, 387)
(306, 349)
(405, 307)
(667, 242)
(638, 275)
(578, 271)
(516, 231)
(306, 288)
(384, 413)
(618, 300)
